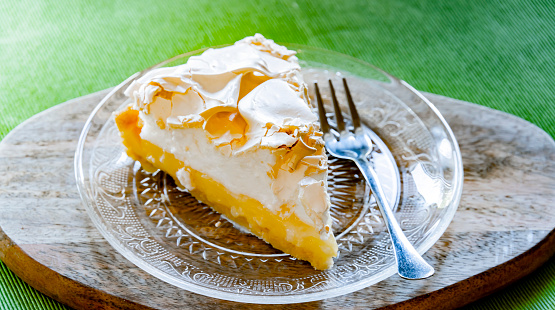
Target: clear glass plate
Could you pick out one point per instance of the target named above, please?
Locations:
(172, 236)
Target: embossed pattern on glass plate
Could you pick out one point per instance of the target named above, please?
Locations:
(172, 236)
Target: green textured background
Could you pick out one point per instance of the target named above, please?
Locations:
(496, 53)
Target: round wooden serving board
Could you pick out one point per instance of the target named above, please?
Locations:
(503, 228)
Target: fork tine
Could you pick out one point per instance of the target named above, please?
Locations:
(352, 108)
(321, 111)
(338, 115)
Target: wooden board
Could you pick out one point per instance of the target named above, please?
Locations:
(502, 230)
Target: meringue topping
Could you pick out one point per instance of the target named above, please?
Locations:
(245, 98)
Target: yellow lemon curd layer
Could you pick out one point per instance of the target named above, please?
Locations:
(282, 229)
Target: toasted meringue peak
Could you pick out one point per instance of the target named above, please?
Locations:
(255, 80)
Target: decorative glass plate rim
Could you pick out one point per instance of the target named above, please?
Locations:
(288, 299)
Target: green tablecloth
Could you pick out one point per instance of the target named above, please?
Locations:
(496, 53)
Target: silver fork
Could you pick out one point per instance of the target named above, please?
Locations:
(356, 147)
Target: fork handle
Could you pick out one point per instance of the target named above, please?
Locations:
(410, 265)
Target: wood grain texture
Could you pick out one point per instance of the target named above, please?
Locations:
(502, 230)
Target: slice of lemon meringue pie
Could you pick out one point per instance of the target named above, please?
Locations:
(234, 127)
